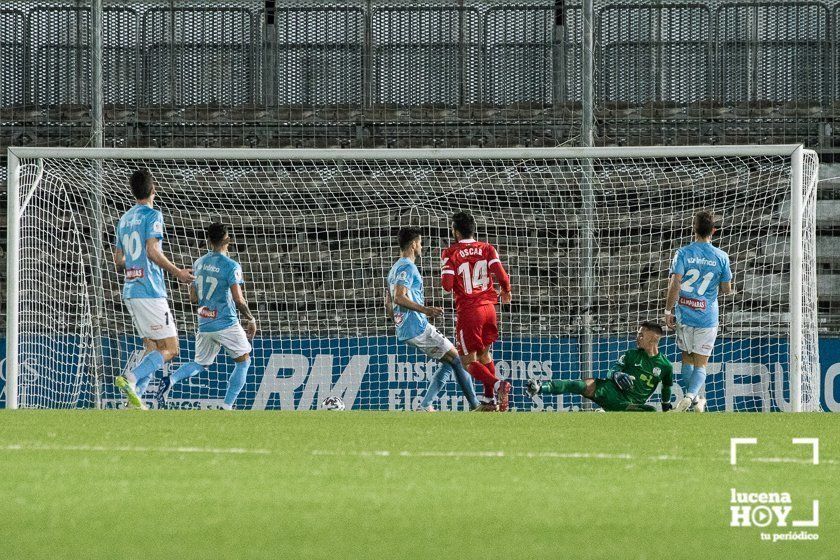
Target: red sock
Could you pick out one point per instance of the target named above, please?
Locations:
(481, 373)
(492, 367)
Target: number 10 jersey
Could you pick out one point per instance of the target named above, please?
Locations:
(143, 278)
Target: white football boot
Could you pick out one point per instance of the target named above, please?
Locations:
(698, 405)
(683, 405)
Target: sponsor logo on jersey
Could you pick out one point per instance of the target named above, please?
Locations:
(134, 273)
(207, 313)
(402, 275)
(157, 227)
(657, 371)
(398, 318)
(696, 304)
(208, 268)
(701, 260)
(237, 274)
(132, 222)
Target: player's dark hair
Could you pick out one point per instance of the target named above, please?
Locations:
(704, 223)
(216, 233)
(142, 184)
(407, 235)
(653, 326)
(464, 223)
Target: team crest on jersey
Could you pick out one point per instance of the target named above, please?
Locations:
(238, 275)
(134, 273)
(403, 275)
(157, 227)
(696, 304)
(207, 313)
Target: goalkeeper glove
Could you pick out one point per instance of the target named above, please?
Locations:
(666, 407)
(623, 380)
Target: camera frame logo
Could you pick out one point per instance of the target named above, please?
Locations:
(774, 509)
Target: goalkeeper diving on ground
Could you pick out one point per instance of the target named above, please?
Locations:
(630, 381)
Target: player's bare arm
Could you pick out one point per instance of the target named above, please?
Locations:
(119, 259)
(401, 298)
(501, 275)
(671, 300)
(726, 288)
(249, 323)
(389, 308)
(155, 254)
(193, 294)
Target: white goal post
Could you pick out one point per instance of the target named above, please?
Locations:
(586, 233)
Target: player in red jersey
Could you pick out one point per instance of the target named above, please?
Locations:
(468, 268)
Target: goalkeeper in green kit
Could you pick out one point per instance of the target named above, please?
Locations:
(631, 381)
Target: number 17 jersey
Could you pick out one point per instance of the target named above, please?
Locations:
(702, 267)
(215, 273)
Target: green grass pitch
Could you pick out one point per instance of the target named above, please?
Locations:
(128, 484)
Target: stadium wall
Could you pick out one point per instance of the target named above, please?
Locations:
(376, 373)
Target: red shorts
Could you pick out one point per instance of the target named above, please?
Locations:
(476, 328)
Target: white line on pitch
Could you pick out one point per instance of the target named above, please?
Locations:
(549, 455)
(133, 449)
(470, 454)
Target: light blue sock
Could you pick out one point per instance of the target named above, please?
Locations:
(186, 370)
(142, 384)
(146, 369)
(436, 384)
(687, 373)
(465, 382)
(696, 383)
(236, 381)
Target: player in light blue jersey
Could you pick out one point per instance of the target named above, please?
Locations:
(139, 254)
(699, 272)
(406, 303)
(218, 292)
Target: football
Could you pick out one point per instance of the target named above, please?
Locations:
(333, 403)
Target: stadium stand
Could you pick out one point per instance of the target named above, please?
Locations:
(322, 74)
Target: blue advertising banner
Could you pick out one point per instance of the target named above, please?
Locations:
(378, 373)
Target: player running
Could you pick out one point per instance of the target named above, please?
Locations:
(138, 252)
(631, 380)
(467, 266)
(405, 301)
(699, 270)
(218, 292)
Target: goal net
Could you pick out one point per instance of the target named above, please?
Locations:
(587, 236)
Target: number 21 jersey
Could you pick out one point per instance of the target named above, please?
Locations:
(703, 267)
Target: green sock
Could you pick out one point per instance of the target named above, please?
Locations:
(557, 387)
